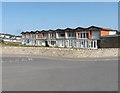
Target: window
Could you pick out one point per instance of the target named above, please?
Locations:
(71, 34)
(95, 44)
(61, 34)
(91, 43)
(83, 35)
(53, 42)
(80, 35)
(33, 35)
(86, 35)
(39, 35)
(70, 42)
(52, 35)
(27, 35)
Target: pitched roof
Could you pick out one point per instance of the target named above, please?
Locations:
(79, 28)
(6, 34)
(99, 28)
(69, 29)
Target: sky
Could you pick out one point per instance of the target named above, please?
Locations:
(0, 17)
(27, 16)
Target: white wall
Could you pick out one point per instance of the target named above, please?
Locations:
(18, 38)
(7, 36)
(56, 35)
(112, 32)
(2, 35)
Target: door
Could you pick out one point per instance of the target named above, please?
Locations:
(70, 43)
(86, 44)
(81, 44)
(67, 43)
(46, 44)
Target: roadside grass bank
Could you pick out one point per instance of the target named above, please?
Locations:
(60, 52)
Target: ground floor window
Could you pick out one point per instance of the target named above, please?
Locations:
(93, 44)
(60, 43)
(80, 43)
(53, 42)
(38, 42)
(70, 42)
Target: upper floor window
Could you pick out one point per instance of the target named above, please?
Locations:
(33, 35)
(43, 34)
(39, 35)
(52, 35)
(83, 35)
(61, 34)
(27, 35)
(71, 34)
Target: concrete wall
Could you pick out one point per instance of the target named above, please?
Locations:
(61, 52)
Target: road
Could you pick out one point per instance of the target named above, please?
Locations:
(38, 73)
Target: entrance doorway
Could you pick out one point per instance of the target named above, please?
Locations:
(82, 44)
(46, 44)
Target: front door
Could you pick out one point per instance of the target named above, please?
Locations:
(82, 44)
(67, 43)
(46, 44)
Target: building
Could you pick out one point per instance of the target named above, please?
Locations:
(76, 38)
(10, 38)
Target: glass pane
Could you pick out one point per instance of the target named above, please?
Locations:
(92, 44)
(80, 35)
(83, 35)
(86, 35)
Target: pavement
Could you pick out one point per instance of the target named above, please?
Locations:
(45, 73)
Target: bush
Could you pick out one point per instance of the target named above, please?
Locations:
(2, 41)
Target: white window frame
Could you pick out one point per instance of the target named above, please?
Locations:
(84, 32)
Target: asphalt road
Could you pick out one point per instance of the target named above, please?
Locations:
(30, 73)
